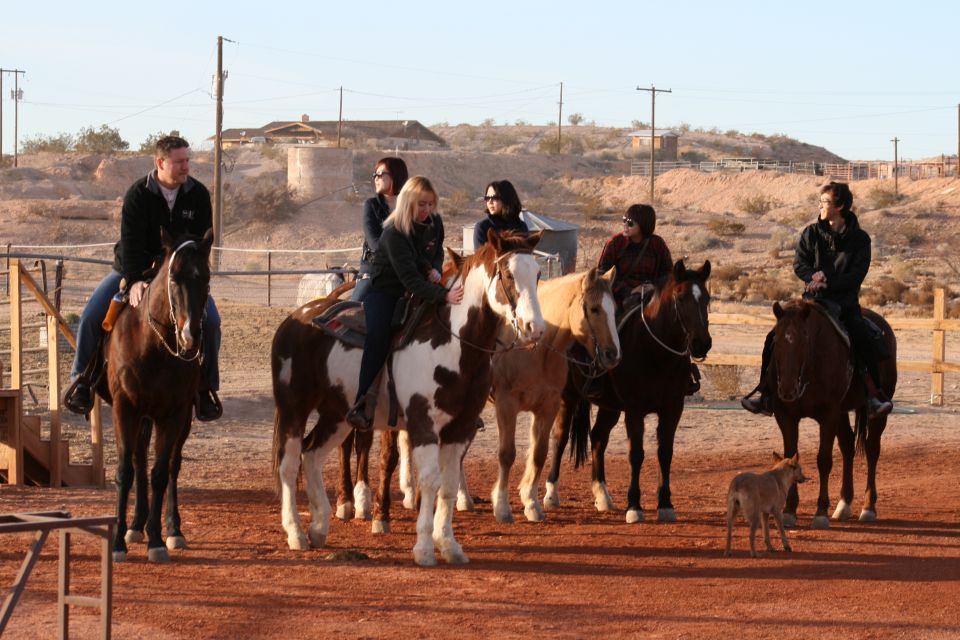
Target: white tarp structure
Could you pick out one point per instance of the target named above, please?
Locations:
(559, 237)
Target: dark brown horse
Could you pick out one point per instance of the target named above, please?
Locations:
(657, 343)
(812, 377)
(152, 375)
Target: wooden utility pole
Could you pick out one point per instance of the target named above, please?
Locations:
(958, 142)
(218, 159)
(560, 119)
(16, 111)
(653, 127)
(896, 171)
(340, 118)
(1, 119)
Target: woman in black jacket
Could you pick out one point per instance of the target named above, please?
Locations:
(409, 258)
(503, 212)
(832, 259)
(388, 179)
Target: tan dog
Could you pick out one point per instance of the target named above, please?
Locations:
(760, 495)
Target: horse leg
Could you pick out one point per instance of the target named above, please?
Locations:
(536, 459)
(345, 509)
(175, 539)
(450, 458)
(790, 430)
(127, 442)
(389, 456)
(292, 425)
(559, 437)
(506, 430)
(406, 472)
(141, 504)
(845, 440)
(361, 489)
(313, 474)
(464, 499)
(667, 422)
(426, 457)
(159, 480)
(875, 427)
(634, 423)
(599, 437)
(828, 432)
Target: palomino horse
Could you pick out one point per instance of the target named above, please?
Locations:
(578, 307)
(811, 376)
(152, 375)
(441, 380)
(657, 344)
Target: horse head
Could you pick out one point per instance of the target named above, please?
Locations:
(692, 300)
(186, 275)
(793, 348)
(599, 322)
(510, 284)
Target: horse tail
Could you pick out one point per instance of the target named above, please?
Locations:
(277, 451)
(580, 433)
(861, 424)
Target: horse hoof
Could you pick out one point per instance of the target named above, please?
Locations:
(551, 497)
(789, 520)
(379, 527)
(408, 501)
(158, 554)
(176, 542)
(298, 543)
(455, 556)
(868, 515)
(634, 516)
(363, 514)
(666, 515)
(345, 511)
(843, 511)
(505, 517)
(821, 522)
(318, 540)
(119, 556)
(133, 537)
(466, 504)
(425, 558)
(533, 514)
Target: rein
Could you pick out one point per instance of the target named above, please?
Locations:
(676, 309)
(179, 351)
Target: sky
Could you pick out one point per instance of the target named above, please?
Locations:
(846, 75)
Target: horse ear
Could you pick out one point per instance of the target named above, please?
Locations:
(589, 279)
(777, 457)
(705, 269)
(610, 274)
(777, 310)
(679, 271)
(165, 240)
(207, 242)
(533, 239)
(455, 257)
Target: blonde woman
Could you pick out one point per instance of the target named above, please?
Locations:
(409, 258)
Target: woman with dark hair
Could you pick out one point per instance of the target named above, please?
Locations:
(503, 212)
(640, 256)
(832, 259)
(389, 177)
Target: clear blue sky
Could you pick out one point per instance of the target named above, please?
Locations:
(845, 75)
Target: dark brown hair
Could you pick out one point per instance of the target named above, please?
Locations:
(508, 196)
(645, 216)
(397, 169)
(842, 197)
(166, 144)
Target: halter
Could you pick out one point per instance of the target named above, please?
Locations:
(180, 351)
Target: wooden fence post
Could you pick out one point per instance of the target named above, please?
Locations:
(939, 348)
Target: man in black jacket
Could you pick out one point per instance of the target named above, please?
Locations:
(167, 198)
(832, 259)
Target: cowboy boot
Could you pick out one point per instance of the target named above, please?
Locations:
(760, 405)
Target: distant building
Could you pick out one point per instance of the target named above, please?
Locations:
(382, 134)
(665, 142)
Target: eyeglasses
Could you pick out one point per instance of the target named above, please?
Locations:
(380, 174)
(491, 198)
(629, 222)
(828, 201)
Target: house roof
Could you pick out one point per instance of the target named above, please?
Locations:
(645, 133)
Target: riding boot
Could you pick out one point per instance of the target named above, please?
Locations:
(79, 398)
(207, 406)
(762, 405)
(875, 405)
(693, 385)
(357, 416)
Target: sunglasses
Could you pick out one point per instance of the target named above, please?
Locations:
(380, 174)
(629, 222)
(490, 198)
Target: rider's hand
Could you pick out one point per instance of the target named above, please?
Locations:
(433, 276)
(136, 293)
(454, 296)
(819, 276)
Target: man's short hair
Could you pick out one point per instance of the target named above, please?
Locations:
(166, 144)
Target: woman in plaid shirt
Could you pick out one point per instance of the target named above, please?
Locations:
(640, 256)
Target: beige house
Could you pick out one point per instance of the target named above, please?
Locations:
(382, 134)
(664, 142)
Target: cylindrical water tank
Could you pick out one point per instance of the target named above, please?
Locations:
(317, 171)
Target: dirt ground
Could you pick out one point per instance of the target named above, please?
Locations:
(580, 573)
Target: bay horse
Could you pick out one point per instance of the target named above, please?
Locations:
(577, 308)
(657, 342)
(152, 360)
(441, 381)
(811, 376)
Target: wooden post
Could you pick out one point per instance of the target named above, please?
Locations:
(63, 585)
(939, 348)
(53, 400)
(16, 357)
(96, 443)
(12, 449)
(269, 276)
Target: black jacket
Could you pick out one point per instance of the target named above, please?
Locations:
(843, 257)
(402, 262)
(375, 211)
(145, 212)
(497, 223)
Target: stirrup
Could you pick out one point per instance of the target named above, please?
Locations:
(760, 406)
(71, 402)
(214, 408)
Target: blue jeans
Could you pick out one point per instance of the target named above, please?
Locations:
(89, 332)
(361, 289)
(378, 311)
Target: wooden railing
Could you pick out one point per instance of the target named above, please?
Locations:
(938, 325)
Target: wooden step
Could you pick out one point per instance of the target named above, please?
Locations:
(38, 450)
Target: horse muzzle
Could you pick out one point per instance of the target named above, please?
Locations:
(608, 358)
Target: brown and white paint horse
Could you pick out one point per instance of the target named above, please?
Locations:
(441, 377)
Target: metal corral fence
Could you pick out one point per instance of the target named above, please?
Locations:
(848, 171)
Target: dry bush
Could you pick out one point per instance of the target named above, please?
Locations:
(591, 206)
(701, 241)
(878, 198)
(458, 202)
(797, 217)
(273, 152)
(772, 288)
(724, 227)
(900, 269)
(886, 291)
(922, 296)
(758, 204)
(260, 199)
(40, 210)
(726, 273)
(911, 233)
(725, 380)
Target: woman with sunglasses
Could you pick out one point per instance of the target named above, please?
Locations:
(388, 179)
(640, 256)
(503, 212)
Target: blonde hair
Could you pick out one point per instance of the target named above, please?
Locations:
(405, 213)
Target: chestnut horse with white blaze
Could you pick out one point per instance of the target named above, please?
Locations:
(441, 379)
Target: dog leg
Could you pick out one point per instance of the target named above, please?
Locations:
(765, 524)
(731, 514)
(778, 517)
(753, 535)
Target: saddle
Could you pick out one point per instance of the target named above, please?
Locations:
(345, 322)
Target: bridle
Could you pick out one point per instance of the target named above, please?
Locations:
(179, 350)
(683, 328)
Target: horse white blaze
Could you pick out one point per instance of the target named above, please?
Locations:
(286, 371)
(186, 336)
(525, 270)
(610, 309)
(697, 293)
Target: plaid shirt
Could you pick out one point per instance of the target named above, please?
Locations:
(634, 269)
